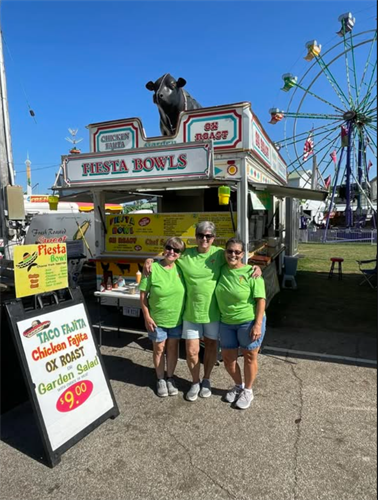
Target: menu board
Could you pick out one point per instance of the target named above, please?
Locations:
(147, 233)
(40, 268)
(62, 365)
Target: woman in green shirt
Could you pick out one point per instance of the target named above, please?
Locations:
(201, 268)
(162, 296)
(241, 302)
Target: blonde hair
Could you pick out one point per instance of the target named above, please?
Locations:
(176, 242)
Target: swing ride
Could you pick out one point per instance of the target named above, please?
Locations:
(331, 119)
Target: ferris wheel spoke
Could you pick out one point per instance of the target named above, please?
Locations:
(347, 49)
(313, 130)
(354, 68)
(307, 91)
(296, 165)
(372, 84)
(366, 109)
(370, 142)
(331, 161)
(368, 102)
(296, 169)
(331, 79)
(330, 147)
(371, 113)
(367, 65)
(319, 150)
(315, 116)
(372, 125)
(327, 153)
(323, 131)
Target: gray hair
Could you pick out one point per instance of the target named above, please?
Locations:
(205, 226)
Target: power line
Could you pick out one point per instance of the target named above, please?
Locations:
(36, 169)
(31, 112)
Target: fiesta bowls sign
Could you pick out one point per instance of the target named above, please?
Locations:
(155, 164)
(40, 268)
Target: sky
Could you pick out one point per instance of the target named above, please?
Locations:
(75, 63)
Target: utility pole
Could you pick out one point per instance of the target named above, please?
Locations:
(29, 188)
(6, 161)
(314, 178)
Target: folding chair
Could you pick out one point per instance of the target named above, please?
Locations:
(369, 274)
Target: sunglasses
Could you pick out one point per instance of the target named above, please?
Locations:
(202, 236)
(169, 248)
(236, 252)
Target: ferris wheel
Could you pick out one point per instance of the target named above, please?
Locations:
(330, 131)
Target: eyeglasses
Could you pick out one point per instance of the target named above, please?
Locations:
(202, 236)
(169, 248)
(236, 252)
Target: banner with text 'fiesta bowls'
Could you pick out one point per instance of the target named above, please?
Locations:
(66, 372)
(40, 268)
(175, 162)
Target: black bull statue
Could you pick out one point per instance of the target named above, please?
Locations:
(171, 99)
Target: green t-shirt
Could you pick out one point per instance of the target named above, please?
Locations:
(236, 293)
(166, 295)
(201, 272)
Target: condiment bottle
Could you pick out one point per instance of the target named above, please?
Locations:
(109, 284)
(138, 277)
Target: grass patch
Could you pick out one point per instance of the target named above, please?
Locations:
(315, 257)
(320, 304)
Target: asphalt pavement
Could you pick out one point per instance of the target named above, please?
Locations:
(310, 434)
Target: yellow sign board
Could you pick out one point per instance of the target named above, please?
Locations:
(147, 233)
(40, 268)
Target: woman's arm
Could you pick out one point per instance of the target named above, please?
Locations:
(148, 321)
(256, 272)
(147, 267)
(260, 310)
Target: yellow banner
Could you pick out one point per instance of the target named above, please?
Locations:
(40, 268)
(147, 233)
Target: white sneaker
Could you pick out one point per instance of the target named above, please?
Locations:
(205, 391)
(233, 394)
(171, 386)
(161, 388)
(245, 399)
(192, 394)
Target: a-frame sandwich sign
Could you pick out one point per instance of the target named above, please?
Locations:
(67, 382)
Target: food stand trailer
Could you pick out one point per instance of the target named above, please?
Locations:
(213, 147)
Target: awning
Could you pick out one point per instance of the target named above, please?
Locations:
(88, 207)
(257, 202)
(291, 192)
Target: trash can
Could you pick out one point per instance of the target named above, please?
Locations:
(291, 264)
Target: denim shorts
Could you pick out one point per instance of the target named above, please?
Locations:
(235, 336)
(161, 333)
(193, 331)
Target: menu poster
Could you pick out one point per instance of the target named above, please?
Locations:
(64, 369)
(147, 233)
(40, 268)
